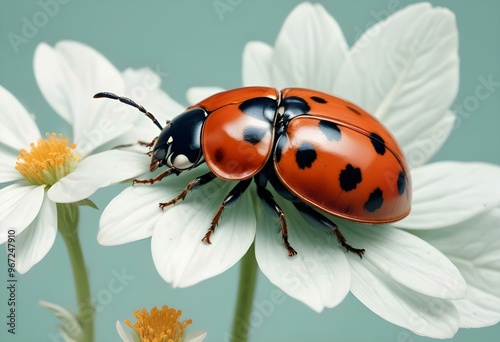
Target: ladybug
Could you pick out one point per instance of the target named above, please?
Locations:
(322, 153)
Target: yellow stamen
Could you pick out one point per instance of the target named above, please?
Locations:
(48, 160)
(159, 325)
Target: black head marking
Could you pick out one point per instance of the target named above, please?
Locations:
(375, 200)
(294, 106)
(306, 155)
(254, 134)
(318, 99)
(401, 182)
(378, 143)
(330, 130)
(354, 110)
(350, 177)
(262, 108)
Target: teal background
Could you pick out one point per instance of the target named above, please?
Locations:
(196, 47)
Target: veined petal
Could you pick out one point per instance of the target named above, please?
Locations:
(406, 259)
(18, 129)
(197, 94)
(424, 315)
(180, 256)
(446, 193)
(318, 275)
(19, 205)
(33, 243)
(132, 215)
(408, 66)
(429, 141)
(256, 64)
(68, 76)
(98, 171)
(474, 247)
(310, 50)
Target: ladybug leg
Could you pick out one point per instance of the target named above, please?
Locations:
(158, 178)
(230, 199)
(315, 217)
(195, 183)
(269, 202)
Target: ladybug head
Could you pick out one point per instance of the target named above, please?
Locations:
(179, 143)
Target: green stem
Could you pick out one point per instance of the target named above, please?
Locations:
(67, 218)
(246, 290)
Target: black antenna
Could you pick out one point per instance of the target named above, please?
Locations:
(130, 102)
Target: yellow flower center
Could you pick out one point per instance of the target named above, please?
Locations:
(48, 160)
(159, 325)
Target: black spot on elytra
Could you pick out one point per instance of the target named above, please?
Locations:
(350, 177)
(318, 99)
(254, 134)
(280, 146)
(375, 200)
(354, 110)
(378, 143)
(330, 130)
(294, 106)
(401, 183)
(306, 155)
(219, 154)
(262, 108)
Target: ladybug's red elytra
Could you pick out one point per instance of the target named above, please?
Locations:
(316, 150)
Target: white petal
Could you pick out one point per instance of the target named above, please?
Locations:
(429, 141)
(318, 275)
(8, 173)
(33, 243)
(18, 129)
(143, 87)
(197, 336)
(132, 215)
(447, 193)
(408, 68)
(121, 332)
(68, 76)
(197, 94)
(402, 257)
(424, 315)
(19, 205)
(180, 256)
(474, 247)
(309, 51)
(98, 171)
(256, 64)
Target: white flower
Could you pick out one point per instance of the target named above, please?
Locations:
(159, 325)
(404, 71)
(54, 170)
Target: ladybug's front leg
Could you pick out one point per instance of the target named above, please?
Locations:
(230, 199)
(268, 200)
(195, 183)
(158, 178)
